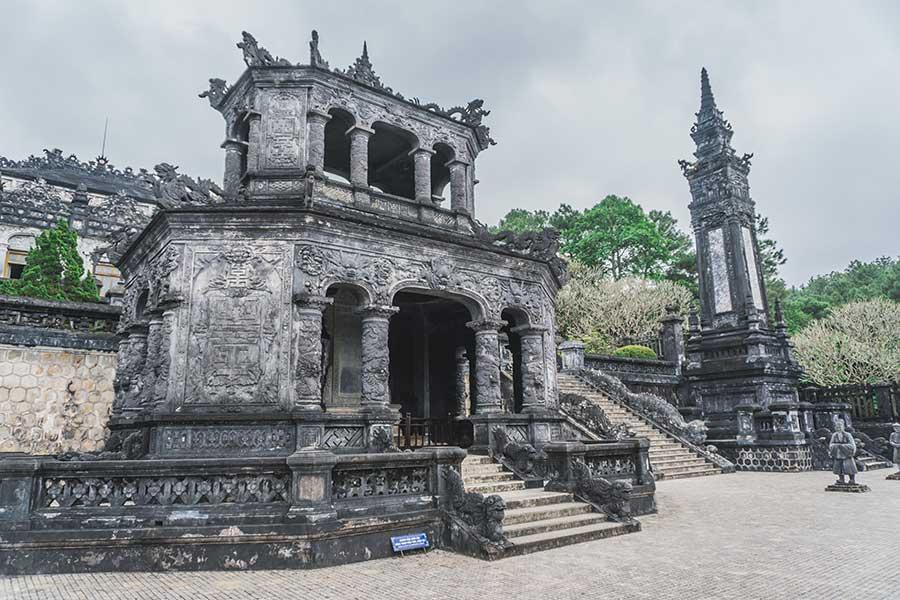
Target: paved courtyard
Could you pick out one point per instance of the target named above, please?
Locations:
(747, 536)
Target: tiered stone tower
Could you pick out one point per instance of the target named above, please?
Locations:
(735, 356)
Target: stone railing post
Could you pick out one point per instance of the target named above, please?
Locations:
(234, 158)
(307, 351)
(422, 163)
(531, 371)
(316, 147)
(376, 393)
(572, 355)
(359, 155)
(17, 491)
(487, 366)
(672, 338)
(311, 486)
(561, 457)
(458, 185)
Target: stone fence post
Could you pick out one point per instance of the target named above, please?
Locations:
(17, 489)
(311, 481)
(561, 457)
(672, 338)
(572, 355)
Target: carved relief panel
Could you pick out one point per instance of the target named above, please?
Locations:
(238, 326)
(285, 122)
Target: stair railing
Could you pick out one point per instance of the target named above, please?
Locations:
(615, 393)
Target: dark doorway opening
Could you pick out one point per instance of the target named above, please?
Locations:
(426, 337)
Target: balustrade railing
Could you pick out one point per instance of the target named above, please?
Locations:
(418, 432)
(867, 401)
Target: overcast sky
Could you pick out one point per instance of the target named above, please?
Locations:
(587, 98)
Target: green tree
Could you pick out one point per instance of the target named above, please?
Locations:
(519, 220)
(54, 269)
(879, 279)
(619, 239)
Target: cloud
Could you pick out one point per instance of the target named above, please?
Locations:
(587, 99)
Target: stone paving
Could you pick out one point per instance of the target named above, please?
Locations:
(746, 536)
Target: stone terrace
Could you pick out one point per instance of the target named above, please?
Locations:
(714, 537)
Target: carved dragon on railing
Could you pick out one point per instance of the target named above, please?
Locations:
(592, 417)
(660, 414)
(476, 520)
(522, 459)
(612, 497)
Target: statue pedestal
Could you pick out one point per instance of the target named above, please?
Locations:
(894, 476)
(848, 487)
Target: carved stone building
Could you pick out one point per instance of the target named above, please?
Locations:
(332, 290)
(739, 363)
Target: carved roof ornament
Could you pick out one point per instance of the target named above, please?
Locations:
(257, 56)
(315, 57)
(172, 189)
(216, 93)
(361, 70)
(55, 160)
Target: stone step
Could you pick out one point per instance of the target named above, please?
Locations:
(471, 480)
(554, 539)
(493, 488)
(533, 497)
(530, 514)
(673, 463)
(685, 473)
(555, 524)
(477, 459)
(482, 471)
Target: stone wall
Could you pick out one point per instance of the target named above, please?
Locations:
(54, 400)
(57, 364)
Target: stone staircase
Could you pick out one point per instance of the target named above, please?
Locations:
(537, 519)
(871, 463)
(669, 458)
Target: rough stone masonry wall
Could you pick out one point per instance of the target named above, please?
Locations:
(54, 400)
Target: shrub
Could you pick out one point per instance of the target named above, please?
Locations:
(599, 311)
(858, 342)
(54, 269)
(635, 351)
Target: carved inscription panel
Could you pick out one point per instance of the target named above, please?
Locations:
(283, 132)
(237, 331)
(719, 271)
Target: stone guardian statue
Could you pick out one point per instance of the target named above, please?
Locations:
(894, 441)
(842, 450)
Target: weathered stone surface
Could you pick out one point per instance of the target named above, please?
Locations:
(54, 400)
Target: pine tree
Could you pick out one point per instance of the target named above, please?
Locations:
(54, 269)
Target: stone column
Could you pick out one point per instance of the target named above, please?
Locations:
(307, 350)
(359, 155)
(153, 360)
(234, 157)
(422, 162)
(531, 371)
(164, 358)
(487, 366)
(130, 371)
(376, 393)
(253, 142)
(458, 185)
(462, 382)
(316, 149)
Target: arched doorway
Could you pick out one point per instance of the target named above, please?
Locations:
(430, 371)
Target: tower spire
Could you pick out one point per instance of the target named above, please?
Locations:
(707, 100)
(712, 133)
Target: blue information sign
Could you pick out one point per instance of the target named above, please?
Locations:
(413, 541)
